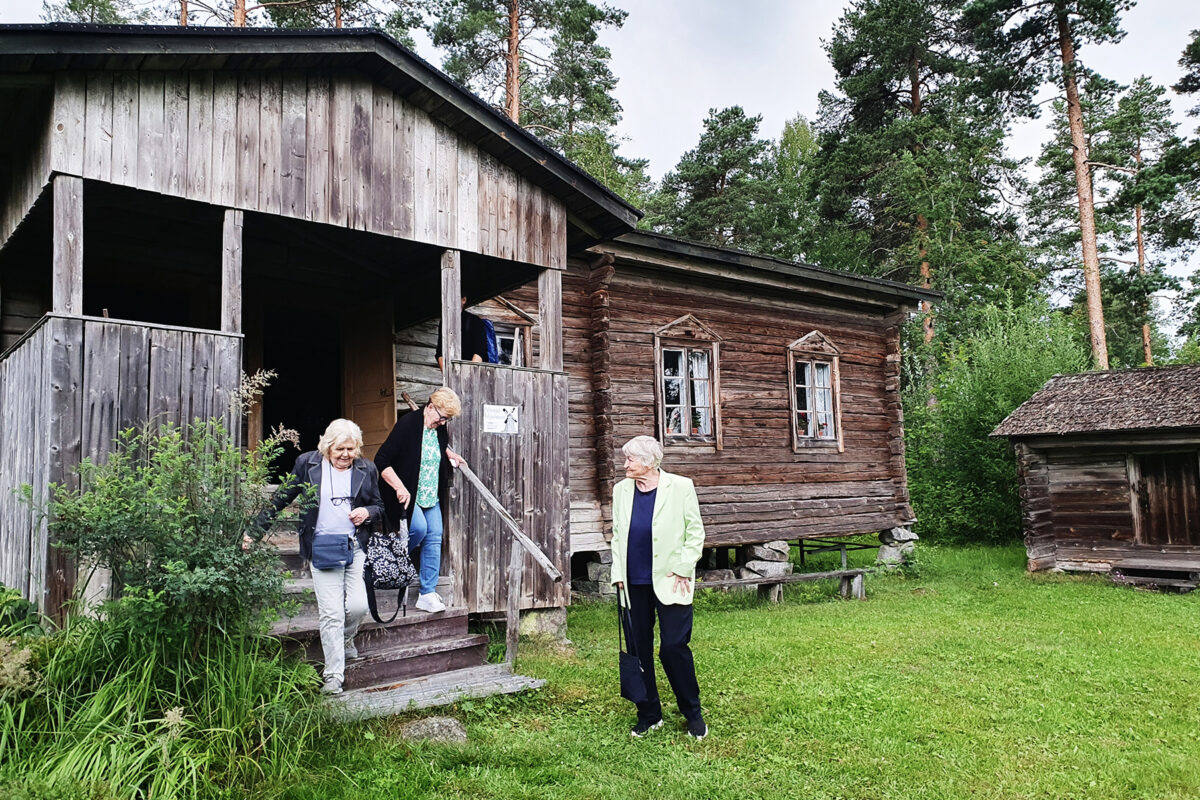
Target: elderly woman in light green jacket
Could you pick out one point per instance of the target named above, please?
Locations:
(657, 539)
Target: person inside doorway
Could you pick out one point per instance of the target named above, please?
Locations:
(474, 341)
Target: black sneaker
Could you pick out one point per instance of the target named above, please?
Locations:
(697, 729)
(642, 728)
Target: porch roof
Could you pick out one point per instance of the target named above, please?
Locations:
(593, 212)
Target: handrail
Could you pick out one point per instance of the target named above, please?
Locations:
(516, 564)
(49, 315)
(511, 524)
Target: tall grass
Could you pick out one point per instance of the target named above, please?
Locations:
(114, 715)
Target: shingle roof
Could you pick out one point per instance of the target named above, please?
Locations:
(1144, 399)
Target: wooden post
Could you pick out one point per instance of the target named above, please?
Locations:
(550, 312)
(451, 309)
(68, 245)
(516, 563)
(231, 272)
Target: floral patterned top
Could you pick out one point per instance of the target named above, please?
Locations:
(431, 461)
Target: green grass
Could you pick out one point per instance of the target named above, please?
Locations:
(973, 680)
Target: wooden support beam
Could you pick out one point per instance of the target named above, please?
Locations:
(68, 245)
(451, 309)
(550, 313)
(231, 272)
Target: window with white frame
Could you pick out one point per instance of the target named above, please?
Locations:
(687, 382)
(814, 393)
(511, 341)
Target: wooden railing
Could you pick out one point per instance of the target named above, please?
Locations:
(516, 562)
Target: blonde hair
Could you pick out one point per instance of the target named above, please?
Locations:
(645, 449)
(339, 431)
(445, 401)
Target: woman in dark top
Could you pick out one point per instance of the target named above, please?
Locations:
(657, 539)
(414, 472)
(347, 498)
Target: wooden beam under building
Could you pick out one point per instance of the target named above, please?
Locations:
(451, 309)
(550, 313)
(231, 272)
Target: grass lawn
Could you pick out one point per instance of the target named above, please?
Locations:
(973, 680)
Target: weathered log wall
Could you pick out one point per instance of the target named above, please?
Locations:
(527, 472)
(66, 389)
(329, 147)
(756, 488)
(1079, 507)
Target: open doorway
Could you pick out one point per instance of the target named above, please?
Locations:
(306, 393)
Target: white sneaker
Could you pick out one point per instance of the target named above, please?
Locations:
(431, 603)
(332, 686)
(351, 651)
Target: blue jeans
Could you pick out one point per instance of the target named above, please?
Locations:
(425, 532)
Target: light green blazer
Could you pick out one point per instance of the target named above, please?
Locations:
(676, 529)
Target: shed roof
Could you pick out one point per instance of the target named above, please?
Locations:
(1143, 399)
(594, 212)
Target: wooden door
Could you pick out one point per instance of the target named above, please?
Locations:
(369, 373)
(1167, 498)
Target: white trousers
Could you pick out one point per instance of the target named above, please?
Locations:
(341, 606)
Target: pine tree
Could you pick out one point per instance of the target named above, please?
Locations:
(716, 192)
(907, 178)
(1024, 43)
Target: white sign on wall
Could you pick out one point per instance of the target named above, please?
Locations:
(501, 419)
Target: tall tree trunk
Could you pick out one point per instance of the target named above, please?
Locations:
(337, 15)
(239, 13)
(183, 13)
(512, 63)
(914, 79)
(1147, 354)
(1083, 190)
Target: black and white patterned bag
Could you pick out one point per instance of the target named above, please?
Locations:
(388, 567)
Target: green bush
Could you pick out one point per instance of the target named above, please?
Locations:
(165, 513)
(963, 483)
(100, 712)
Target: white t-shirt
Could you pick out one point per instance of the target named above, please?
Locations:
(335, 484)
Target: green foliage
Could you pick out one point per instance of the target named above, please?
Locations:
(717, 187)
(111, 709)
(96, 12)
(963, 483)
(165, 514)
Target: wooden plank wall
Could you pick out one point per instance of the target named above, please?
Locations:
(327, 147)
(29, 170)
(1090, 508)
(72, 385)
(1034, 479)
(24, 459)
(528, 473)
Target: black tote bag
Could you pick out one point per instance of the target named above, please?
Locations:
(633, 677)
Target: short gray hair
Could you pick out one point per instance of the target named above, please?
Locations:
(339, 431)
(645, 449)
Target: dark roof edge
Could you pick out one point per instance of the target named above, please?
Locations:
(387, 48)
(777, 266)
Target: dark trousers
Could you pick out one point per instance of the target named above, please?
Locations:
(674, 633)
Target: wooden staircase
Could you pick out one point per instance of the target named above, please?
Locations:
(418, 660)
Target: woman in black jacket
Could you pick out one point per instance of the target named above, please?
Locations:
(414, 469)
(347, 499)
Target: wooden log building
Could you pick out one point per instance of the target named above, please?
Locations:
(180, 205)
(1109, 469)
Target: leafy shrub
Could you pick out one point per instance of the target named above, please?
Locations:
(165, 513)
(963, 483)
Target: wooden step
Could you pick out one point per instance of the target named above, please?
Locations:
(416, 659)
(397, 697)
(303, 633)
(1179, 584)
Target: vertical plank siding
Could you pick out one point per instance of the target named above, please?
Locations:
(527, 471)
(327, 147)
(66, 389)
(33, 138)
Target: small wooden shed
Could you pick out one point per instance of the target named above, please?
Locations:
(1109, 467)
